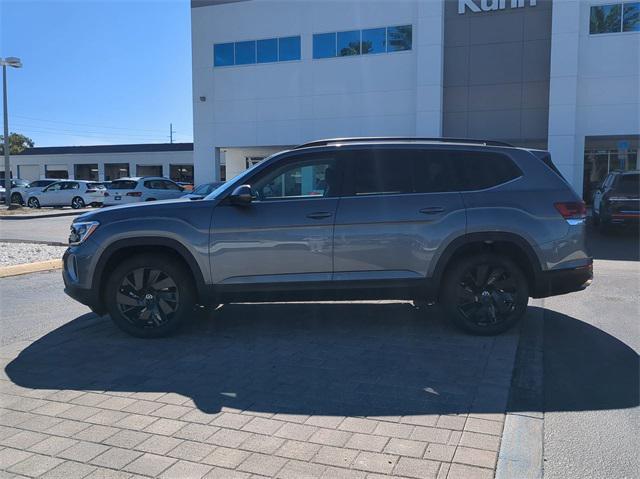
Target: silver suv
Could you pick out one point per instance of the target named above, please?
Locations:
(479, 226)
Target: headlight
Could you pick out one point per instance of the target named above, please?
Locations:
(81, 231)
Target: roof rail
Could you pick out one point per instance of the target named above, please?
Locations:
(401, 138)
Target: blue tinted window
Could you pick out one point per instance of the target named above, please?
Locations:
(223, 54)
(324, 45)
(289, 48)
(268, 50)
(374, 40)
(605, 19)
(631, 17)
(348, 43)
(399, 38)
(245, 53)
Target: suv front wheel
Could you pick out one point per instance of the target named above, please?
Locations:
(485, 294)
(150, 297)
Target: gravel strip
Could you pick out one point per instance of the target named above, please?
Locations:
(19, 253)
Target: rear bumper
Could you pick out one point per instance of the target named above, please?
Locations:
(554, 283)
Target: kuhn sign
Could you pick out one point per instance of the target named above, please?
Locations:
(489, 5)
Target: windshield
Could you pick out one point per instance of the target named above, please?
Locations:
(238, 180)
(203, 189)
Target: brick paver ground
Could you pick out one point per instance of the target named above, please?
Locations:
(357, 390)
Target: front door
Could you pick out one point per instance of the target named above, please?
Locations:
(398, 207)
(52, 194)
(286, 234)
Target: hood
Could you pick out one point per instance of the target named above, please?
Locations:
(133, 210)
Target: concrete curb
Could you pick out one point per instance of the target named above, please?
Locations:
(21, 241)
(27, 268)
(522, 447)
(44, 215)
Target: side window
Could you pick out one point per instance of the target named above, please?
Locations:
(382, 172)
(154, 185)
(308, 177)
(73, 186)
(53, 187)
(433, 172)
(479, 170)
(170, 185)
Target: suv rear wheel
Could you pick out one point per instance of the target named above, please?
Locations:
(150, 297)
(485, 294)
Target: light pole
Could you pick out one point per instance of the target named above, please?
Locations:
(15, 63)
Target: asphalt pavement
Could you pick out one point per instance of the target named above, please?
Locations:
(46, 230)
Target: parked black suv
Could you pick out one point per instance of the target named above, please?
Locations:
(617, 201)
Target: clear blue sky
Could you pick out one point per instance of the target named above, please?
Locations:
(98, 72)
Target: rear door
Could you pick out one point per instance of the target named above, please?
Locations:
(399, 205)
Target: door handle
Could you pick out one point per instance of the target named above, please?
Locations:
(318, 215)
(432, 210)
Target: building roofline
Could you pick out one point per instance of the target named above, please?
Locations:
(130, 148)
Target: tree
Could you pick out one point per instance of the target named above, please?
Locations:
(17, 143)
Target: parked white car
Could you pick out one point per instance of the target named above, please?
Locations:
(147, 188)
(74, 193)
(15, 183)
(21, 194)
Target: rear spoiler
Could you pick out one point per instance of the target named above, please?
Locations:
(545, 157)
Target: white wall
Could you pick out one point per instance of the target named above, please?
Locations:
(595, 85)
(164, 158)
(288, 103)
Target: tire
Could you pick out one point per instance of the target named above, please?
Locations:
(150, 296)
(77, 203)
(16, 198)
(33, 202)
(485, 294)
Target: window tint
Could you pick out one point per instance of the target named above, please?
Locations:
(382, 172)
(170, 185)
(374, 40)
(268, 50)
(628, 184)
(399, 38)
(348, 43)
(631, 17)
(479, 171)
(155, 185)
(95, 186)
(54, 187)
(122, 185)
(306, 178)
(223, 54)
(605, 18)
(324, 45)
(433, 173)
(39, 184)
(289, 48)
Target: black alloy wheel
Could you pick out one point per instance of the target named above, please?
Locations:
(485, 294)
(150, 295)
(77, 203)
(33, 203)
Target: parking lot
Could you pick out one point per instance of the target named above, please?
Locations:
(361, 389)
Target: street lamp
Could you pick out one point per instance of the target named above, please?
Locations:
(15, 63)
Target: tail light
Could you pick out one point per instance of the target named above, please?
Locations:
(134, 193)
(573, 210)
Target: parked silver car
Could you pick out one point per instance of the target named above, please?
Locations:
(20, 193)
(146, 188)
(479, 226)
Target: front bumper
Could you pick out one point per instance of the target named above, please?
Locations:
(88, 297)
(563, 281)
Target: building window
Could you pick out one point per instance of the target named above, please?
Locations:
(615, 18)
(289, 49)
(223, 54)
(245, 53)
(181, 173)
(324, 45)
(374, 40)
(348, 43)
(269, 50)
(223, 172)
(86, 172)
(362, 42)
(631, 17)
(56, 172)
(149, 170)
(113, 171)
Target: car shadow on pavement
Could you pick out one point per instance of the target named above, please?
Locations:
(356, 359)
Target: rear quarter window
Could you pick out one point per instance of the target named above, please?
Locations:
(479, 170)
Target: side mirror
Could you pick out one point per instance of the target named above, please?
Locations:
(241, 196)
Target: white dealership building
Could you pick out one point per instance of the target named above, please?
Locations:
(561, 74)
